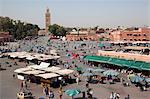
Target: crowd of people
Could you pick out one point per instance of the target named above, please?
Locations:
(72, 53)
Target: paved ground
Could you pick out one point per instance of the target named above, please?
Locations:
(9, 86)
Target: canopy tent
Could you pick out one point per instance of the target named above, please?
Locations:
(20, 70)
(64, 71)
(72, 92)
(78, 69)
(136, 78)
(33, 72)
(51, 69)
(42, 65)
(141, 65)
(48, 75)
(87, 74)
(31, 56)
(110, 72)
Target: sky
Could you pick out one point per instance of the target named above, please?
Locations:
(80, 13)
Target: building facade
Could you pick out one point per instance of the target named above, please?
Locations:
(127, 56)
(142, 34)
(47, 20)
(82, 36)
(5, 37)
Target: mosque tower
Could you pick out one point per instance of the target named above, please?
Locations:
(47, 20)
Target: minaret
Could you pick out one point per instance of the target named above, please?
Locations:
(47, 20)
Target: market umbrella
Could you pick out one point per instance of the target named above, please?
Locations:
(110, 72)
(78, 69)
(147, 80)
(87, 74)
(89, 69)
(41, 97)
(98, 70)
(136, 78)
(72, 92)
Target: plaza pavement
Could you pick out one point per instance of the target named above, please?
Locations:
(9, 86)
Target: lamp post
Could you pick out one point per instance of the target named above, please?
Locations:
(60, 87)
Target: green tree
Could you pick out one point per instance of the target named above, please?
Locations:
(18, 29)
(57, 30)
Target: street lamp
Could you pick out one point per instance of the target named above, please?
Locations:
(60, 87)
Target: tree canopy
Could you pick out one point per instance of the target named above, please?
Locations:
(57, 30)
(18, 29)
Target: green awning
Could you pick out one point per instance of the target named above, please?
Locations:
(137, 64)
(120, 62)
(97, 58)
(146, 66)
(100, 45)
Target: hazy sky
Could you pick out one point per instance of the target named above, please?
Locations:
(84, 13)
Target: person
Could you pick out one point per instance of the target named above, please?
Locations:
(128, 97)
(89, 93)
(87, 85)
(77, 80)
(13, 75)
(21, 86)
(112, 95)
(46, 91)
(25, 84)
(60, 92)
(117, 96)
(83, 95)
(51, 95)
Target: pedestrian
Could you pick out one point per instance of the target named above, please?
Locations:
(90, 93)
(77, 80)
(13, 75)
(117, 96)
(51, 95)
(128, 97)
(46, 92)
(87, 85)
(21, 86)
(112, 95)
(60, 93)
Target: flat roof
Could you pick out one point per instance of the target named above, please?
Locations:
(51, 69)
(64, 71)
(34, 72)
(129, 56)
(48, 75)
(136, 47)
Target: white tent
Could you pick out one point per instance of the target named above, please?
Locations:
(48, 75)
(64, 71)
(20, 70)
(51, 69)
(33, 66)
(30, 57)
(42, 65)
(34, 72)
(20, 77)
